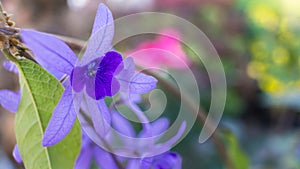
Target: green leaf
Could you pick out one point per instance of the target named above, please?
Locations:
(40, 94)
(236, 154)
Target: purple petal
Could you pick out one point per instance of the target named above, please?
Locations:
(135, 98)
(102, 35)
(86, 141)
(141, 83)
(10, 66)
(85, 157)
(160, 126)
(125, 74)
(174, 139)
(16, 154)
(90, 88)
(168, 161)
(49, 51)
(104, 159)
(62, 119)
(78, 78)
(100, 115)
(146, 163)
(128, 68)
(157, 127)
(133, 164)
(105, 113)
(105, 84)
(10, 100)
(122, 125)
(102, 18)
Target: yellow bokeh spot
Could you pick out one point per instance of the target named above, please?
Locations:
(256, 69)
(272, 85)
(280, 55)
(287, 36)
(275, 44)
(259, 50)
(264, 15)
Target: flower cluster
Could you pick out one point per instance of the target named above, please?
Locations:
(101, 72)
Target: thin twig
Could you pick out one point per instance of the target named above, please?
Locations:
(75, 44)
(1, 7)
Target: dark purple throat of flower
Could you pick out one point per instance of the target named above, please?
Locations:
(98, 76)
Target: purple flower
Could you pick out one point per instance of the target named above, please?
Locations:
(10, 66)
(8, 99)
(100, 72)
(133, 82)
(90, 151)
(98, 76)
(63, 59)
(168, 160)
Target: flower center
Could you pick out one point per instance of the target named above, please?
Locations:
(92, 69)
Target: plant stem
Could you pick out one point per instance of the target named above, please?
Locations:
(1, 7)
(75, 44)
(8, 55)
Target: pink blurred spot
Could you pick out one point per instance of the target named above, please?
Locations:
(164, 51)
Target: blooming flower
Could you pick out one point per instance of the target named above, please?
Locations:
(168, 160)
(9, 99)
(96, 72)
(100, 73)
(90, 151)
(164, 51)
(10, 66)
(63, 61)
(97, 75)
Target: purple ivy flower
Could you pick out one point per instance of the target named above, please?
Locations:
(132, 82)
(10, 66)
(8, 99)
(63, 59)
(97, 72)
(168, 160)
(98, 76)
(90, 151)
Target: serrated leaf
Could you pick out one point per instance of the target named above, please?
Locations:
(40, 94)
